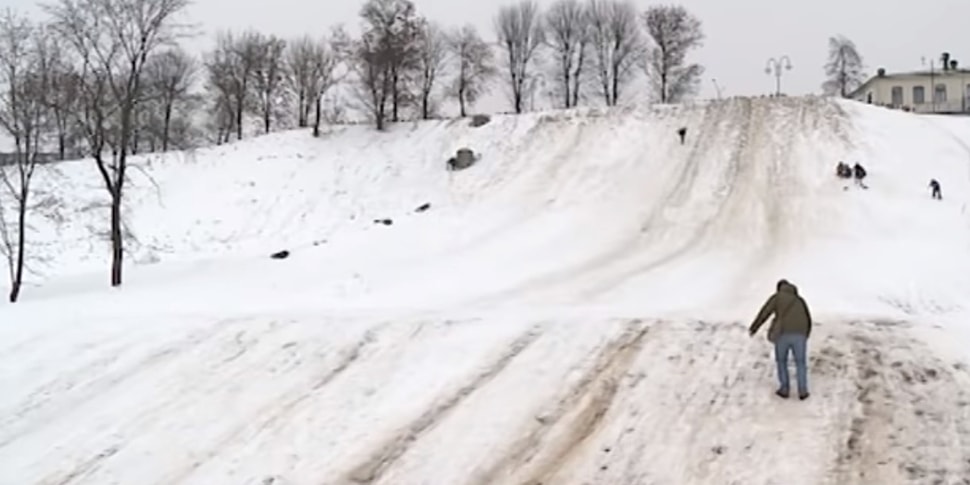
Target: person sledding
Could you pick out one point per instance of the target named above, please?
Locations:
(859, 173)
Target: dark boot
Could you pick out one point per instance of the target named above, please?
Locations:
(802, 396)
(782, 393)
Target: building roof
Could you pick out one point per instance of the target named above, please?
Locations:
(926, 73)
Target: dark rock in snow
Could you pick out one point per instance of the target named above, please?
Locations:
(280, 255)
(422, 208)
(386, 222)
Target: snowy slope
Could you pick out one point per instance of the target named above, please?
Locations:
(569, 310)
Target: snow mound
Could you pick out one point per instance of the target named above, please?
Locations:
(570, 309)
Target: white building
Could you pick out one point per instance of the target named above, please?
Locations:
(930, 91)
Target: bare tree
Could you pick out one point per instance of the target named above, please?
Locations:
(25, 67)
(567, 32)
(520, 33)
(383, 56)
(113, 40)
(268, 78)
(230, 67)
(331, 55)
(301, 57)
(616, 43)
(476, 66)
(169, 77)
(844, 68)
(432, 53)
(391, 29)
(674, 32)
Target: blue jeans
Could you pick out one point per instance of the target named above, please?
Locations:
(797, 344)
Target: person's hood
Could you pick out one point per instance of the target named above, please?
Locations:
(785, 287)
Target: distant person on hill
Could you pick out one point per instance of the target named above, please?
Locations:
(683, 134)
(935, 186)
(789, 331)
(860, 174)
(842, 170)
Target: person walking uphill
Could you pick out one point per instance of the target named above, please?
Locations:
(935, 187)
(789, 331)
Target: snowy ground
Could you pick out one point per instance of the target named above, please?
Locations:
(570, 310)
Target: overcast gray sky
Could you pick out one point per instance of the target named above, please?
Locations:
(740, 34)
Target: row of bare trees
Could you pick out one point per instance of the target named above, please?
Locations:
(598, 44)
(102, 78)
(108, 79)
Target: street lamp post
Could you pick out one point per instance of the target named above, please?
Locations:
(779, 65)
(717, 88)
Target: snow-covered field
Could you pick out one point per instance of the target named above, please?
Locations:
(570, 310)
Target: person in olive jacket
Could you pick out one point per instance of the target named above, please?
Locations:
(789, 331)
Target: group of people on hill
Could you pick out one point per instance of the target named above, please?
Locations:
(858, 172)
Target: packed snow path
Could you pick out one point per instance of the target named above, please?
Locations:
(481, 402)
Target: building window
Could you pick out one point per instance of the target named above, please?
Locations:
(897, 94)
(939, 94)
(919, 95)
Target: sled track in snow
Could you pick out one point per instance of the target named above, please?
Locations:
(394, 447)
(646, 402)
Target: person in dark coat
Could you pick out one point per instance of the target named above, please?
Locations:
(842, 170)
(860, 173)
(789, 331)
(935, 187)
(683, 134)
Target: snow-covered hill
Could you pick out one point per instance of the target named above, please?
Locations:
(569, 310)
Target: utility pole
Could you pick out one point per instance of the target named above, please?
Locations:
(779, 65)
(717, 88)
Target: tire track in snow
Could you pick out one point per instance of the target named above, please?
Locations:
(43, 399)
(714, 118)
(559, 432)
(741, 111)
(395, 446)
(83, 469)
(271, 413)
(912, 419)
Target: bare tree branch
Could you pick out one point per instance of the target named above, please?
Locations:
(476, 66)
(568, 33)
(674, 32)
(432, 51)
(26, 62)
(616, 44)
(113, 40)
(520, 33)
(844, 70)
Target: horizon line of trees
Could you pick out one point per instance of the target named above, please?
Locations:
(108, 79)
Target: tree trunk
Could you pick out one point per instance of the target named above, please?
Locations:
(267, 112)
(424, 105)
(395, 97)
(461, 100)
(302, 114)
(316, 119)
(577, 75)
(21, 240)
(165, 125)
(116, 239)
(239, 119)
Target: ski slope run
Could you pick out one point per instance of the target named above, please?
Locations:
(571, 309)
